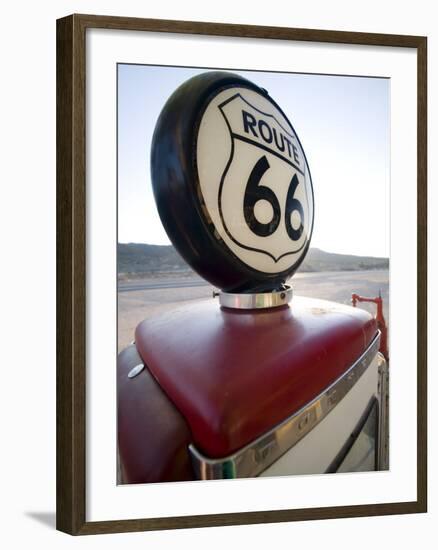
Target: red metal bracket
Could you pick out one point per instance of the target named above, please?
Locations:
(381, 323)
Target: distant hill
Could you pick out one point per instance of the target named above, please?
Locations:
(319, 260)
(149, 258)
(135, 259)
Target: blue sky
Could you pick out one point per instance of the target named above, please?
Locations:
(343, 125)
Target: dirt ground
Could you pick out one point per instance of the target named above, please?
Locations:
(143, 298)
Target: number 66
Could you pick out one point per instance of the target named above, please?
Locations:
(255, 192)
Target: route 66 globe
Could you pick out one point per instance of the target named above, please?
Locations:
(232, 184)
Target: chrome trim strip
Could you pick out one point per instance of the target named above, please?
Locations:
(258, 455)
(383, 430)
(256, 301)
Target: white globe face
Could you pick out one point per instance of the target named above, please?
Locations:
(254, 180)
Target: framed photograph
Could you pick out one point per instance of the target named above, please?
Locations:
(241, 274)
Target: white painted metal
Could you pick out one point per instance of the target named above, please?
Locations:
(314, 453)
(228, 148)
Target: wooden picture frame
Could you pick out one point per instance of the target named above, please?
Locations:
(71, 272)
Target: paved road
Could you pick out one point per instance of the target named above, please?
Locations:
(143, 298)
(129, 286)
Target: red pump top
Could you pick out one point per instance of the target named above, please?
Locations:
(235, 374)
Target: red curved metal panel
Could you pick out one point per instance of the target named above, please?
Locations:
(235, 374)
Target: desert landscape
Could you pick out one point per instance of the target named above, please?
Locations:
(155, 278)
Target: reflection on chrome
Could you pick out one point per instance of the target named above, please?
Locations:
(252, 459)
(256, 301)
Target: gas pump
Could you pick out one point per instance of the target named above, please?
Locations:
(254, 381)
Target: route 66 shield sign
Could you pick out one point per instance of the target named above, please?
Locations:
(247, 220)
